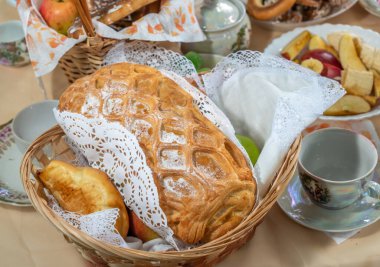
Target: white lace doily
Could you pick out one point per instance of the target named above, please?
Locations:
(101, 225)
(290, 98)
(154, 56)
(110, 147)
(289, 117)
(243, 60)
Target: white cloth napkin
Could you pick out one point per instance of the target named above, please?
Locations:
(271, 104)
(255, 101)
(339, 238)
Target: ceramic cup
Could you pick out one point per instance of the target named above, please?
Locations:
(13, 50)
(336, 168)
(32, 121)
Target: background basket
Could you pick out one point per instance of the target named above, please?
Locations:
(51, 145)
(85, 58)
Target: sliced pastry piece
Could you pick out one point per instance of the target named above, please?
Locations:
(122, 9)
(84, 190)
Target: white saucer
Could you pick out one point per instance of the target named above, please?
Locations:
(11, 189)
(296, 204)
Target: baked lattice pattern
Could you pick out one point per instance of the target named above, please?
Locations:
(204, 183)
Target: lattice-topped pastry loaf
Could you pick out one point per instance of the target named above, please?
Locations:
(204, 182)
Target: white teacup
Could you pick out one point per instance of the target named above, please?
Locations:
(13, 50)
(32, 121)
(336, 168)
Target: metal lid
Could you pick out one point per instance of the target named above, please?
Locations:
(219, 15)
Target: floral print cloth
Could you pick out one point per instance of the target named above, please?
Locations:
(176, 22)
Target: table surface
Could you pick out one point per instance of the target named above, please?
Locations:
(29, 240)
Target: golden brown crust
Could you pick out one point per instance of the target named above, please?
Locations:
(213, 190)
(122, 9)
(84, 190)
(256, 8)
(153, 7)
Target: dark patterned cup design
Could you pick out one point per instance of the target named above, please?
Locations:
(336, 168)
(13, 50)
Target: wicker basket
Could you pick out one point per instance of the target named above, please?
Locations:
(85, 58)
(103, 254)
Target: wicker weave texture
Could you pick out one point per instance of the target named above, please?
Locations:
(104, 254)
(85, 58)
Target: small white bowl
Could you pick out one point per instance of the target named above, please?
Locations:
(32, 121)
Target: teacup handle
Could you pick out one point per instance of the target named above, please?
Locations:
(372, 190)
(370, 197)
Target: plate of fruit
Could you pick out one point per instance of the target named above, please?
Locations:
(347, 54)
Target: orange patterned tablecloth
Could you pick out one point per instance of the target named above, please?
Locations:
(29, 240)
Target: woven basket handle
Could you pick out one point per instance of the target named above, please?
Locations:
(85, 17)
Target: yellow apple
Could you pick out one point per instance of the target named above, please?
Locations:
(59, 14)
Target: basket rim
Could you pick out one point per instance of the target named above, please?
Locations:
(282, 177)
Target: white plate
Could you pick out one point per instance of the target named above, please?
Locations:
(285, 26)
(11, 189)
(369, 37)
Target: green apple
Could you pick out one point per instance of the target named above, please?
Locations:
(249, 146)
(196, 59)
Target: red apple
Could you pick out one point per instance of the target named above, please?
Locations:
(331, 71)
(59, 14)
(323, 56)
(139, 229)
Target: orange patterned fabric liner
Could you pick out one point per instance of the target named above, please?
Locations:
(176, 22)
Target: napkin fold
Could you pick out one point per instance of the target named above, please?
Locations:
(339, 238)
